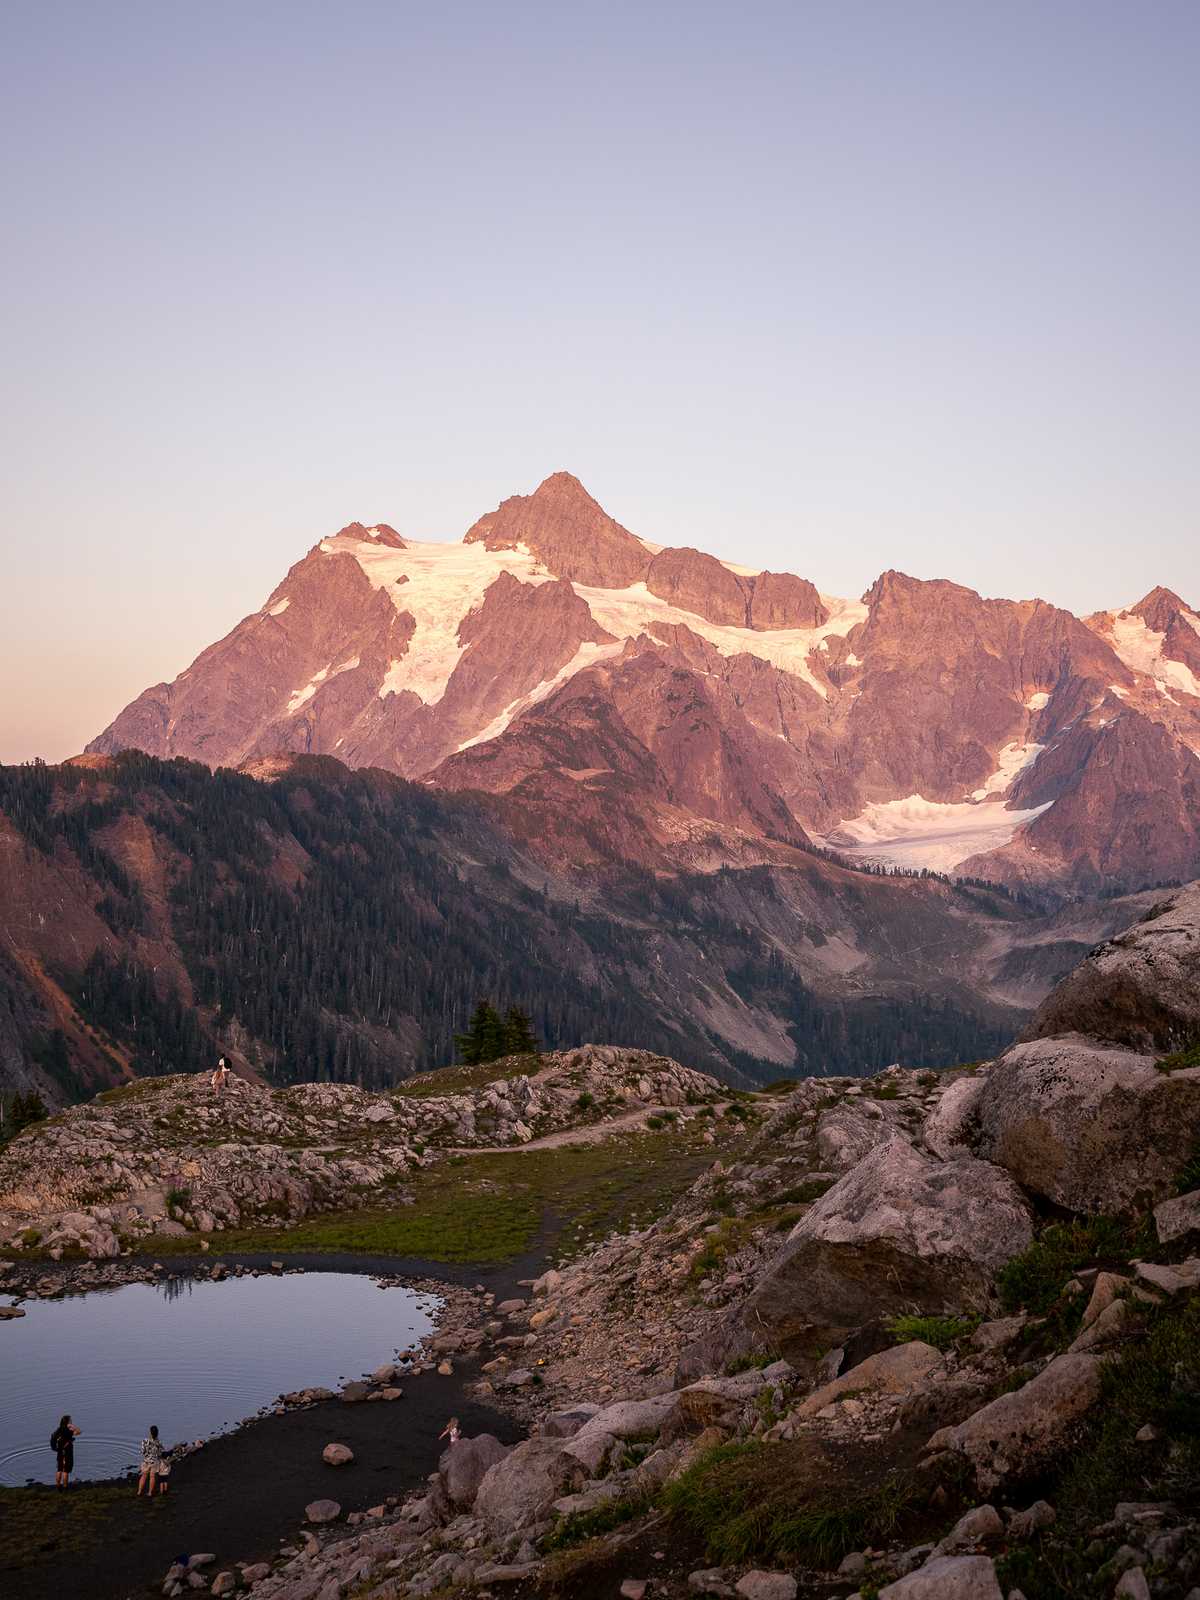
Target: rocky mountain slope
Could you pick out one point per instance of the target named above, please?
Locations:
(918, 1336)
(322, 924)
(625, 702)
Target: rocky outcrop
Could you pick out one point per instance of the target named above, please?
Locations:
(466, 1463)
(700, 583)
(519, 1490)
(1017, 1434)
(1092, 1127)
(781, 600)
(1140, 989)
(167, 1156)
(899, 1232)
(569, 533)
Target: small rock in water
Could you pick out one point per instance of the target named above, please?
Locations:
(337, 1455)
(322, 1511)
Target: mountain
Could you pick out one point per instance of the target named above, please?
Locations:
(318, 923)
(626, 704)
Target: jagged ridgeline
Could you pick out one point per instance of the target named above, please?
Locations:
(337, 925)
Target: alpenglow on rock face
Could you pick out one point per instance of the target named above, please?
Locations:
(920, 726)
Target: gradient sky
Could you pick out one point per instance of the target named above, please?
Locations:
(823, 287)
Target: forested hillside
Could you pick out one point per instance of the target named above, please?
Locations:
(329, 924)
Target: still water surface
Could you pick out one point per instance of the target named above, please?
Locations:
(194, 1357)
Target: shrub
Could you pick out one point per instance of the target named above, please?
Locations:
(585, 1101)
(655, 1122)
(581, 1525)
(1034, 1280)
(750, 1501)
(1188, 1176)
(940, 1332)
(749, 1363)
(1181, 1059)
(178, 1199)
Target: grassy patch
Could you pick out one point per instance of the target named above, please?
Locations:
(136, 1089)
(580, 1526)
(749, 1501)
(35, 1522)
(460, 1080)
(494, 1206)
(940, 1332)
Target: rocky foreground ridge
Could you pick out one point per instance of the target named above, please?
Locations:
(924, 1336)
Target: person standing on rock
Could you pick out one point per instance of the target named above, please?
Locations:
(451, 1431)
(219, 1076)
(62, 1442)
(153, 1462)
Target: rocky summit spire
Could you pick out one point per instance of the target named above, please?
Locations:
(569, 532)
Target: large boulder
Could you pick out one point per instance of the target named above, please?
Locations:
(952, 1127)
(948, 1578)
(845, 1134)
(898, 1370)
(1092, 1127)
(1017, 1434)
(1141, 989)
(520, 1490)
(900, 1232)
(464, 1464)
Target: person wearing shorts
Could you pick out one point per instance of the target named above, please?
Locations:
(152, 1463)
(63, 1443)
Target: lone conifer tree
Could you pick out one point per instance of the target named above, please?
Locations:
(484, 1038)
(519, 1037)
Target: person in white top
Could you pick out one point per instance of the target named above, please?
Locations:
(219, 1076)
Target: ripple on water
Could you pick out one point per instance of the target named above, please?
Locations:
(194, 1357)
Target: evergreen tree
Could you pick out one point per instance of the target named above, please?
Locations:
(22, 1111)
(484, 1038)
(519, 1037)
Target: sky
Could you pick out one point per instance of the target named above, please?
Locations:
(827, 288)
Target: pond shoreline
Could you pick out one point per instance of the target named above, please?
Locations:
(245, 1490)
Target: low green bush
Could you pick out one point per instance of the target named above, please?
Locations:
(1034, 1280)
(582, 1525)
(783, 1502)
(940, 1332)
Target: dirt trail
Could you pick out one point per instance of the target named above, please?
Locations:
(591, 1133)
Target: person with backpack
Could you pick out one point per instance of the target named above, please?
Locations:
(219, 1077)
(62, 1442)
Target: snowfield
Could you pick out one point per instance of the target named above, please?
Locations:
(916, 832)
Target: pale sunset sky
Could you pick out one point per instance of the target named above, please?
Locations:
(828, 288)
